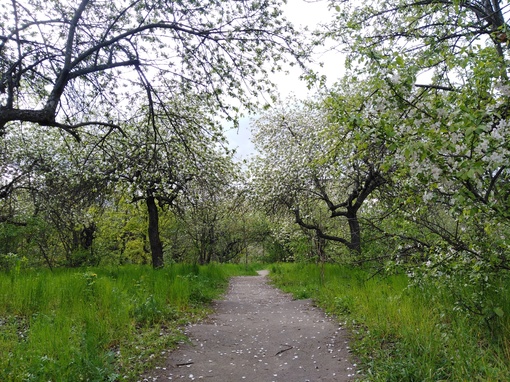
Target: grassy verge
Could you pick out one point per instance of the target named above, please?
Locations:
(103, 324)
(403, 333)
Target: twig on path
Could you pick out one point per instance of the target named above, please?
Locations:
(184, 364)
(284, 350)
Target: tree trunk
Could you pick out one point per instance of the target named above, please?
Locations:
(153, 231)
(355, 231)
(211, 241)
(87, 235)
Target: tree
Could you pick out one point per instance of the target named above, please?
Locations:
(209, 212)
(163, 164)
(312, 164)
(52, 191)
(121, 236)
(443, 69)
(158, 160)
(71, 65)
(120, 71)
(155, 160)
(446, 63)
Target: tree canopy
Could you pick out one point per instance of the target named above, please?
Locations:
(310, 161)
(411, 146)
(69, 65)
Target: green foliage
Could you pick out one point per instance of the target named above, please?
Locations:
(160, 141)
(11, 262)
(274, 252)
(404, 332)
(121, 236)
(427, 86)
(101, 323)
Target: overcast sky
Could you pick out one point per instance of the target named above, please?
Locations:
(301, 13)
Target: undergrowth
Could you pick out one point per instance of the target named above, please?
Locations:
(402, 332)
(103, 324)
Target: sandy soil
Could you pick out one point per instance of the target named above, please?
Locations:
(259, 334)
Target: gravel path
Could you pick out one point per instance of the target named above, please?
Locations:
(259, 334)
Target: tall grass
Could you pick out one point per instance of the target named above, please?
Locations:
(102, 324)
(403, 333)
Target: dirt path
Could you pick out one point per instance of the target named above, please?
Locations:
(259, 334)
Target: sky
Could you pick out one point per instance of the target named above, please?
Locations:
(301, 13)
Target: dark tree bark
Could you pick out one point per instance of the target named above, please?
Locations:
(355, 231)
(87, 236)
(153, 232)
(353, 244)
(364, 186)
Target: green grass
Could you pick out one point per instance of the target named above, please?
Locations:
(102, 324)
(403, 333)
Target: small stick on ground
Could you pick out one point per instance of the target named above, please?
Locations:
(184, 364)
(284, 350)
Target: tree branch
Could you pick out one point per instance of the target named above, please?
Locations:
(98, 68)
(437, 87)
(320, 233)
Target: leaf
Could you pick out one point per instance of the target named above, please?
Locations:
(499, 312)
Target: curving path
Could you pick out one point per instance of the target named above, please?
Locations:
(259, 334)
